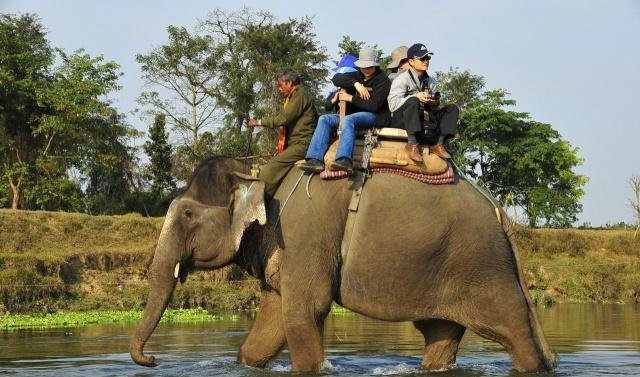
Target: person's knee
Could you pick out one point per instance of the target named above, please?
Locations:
(349, 121)
(325, 121)
(452, 109)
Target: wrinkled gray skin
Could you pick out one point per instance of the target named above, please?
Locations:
(433, 255)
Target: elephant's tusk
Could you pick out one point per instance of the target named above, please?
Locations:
(176, 271)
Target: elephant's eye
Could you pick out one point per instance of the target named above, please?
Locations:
(188, 213)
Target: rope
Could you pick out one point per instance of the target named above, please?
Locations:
(284, 204)
(307, 186)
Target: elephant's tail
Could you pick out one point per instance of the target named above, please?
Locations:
(550, 358)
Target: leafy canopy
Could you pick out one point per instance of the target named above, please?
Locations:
(57, 124)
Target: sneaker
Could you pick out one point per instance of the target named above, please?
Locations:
(413, 152)
(440, 151)
(312, 166)
(343, 164)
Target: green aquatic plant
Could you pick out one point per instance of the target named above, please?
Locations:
(72, 319)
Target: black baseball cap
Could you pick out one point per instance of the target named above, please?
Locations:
(419, 50)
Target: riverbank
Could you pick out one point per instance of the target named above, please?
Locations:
(54, 261)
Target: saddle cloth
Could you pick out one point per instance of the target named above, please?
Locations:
(434, 179)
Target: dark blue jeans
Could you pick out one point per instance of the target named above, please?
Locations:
(328, 123)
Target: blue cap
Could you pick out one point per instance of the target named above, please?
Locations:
(346, 64)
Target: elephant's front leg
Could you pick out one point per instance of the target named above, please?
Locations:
(307, 289)
(266, 337)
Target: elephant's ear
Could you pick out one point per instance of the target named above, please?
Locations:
(246, 206)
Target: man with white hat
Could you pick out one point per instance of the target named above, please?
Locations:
(365, 109)
(412, 95)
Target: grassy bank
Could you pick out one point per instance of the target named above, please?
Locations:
(570, 265)
(53, 261)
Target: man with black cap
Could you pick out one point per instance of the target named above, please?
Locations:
(415, 107)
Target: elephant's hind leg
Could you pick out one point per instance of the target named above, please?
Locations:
(266, 337)
(442, 339)
(510, 326)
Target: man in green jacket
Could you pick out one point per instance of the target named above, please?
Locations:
(299, 117)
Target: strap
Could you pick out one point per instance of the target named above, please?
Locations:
(282, 140)
(370, 141)
(358, 183)
(415, 80)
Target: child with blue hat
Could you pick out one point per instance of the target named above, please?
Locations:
(345, 65)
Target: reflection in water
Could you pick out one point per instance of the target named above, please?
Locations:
(592, 340)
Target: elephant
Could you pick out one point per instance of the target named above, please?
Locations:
(435, 255)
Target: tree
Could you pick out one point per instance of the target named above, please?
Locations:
(159, 151)
(25, 57)
(252, 47)
(520, 159)
(634, 203)
(348, 46)
(56, 119)
(226, 67)
(107, 171)
(461, 88)
(181, 69)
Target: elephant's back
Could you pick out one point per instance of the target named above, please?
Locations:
(415, 242)
(444, 203)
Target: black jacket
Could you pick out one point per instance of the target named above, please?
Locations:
(377, 104)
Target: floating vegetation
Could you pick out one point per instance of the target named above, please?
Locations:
(20, 321)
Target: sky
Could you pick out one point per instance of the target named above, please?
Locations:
(574, 64)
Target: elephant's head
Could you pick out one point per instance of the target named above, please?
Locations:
(195, 235)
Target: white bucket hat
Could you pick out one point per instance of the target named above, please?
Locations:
(368, 57)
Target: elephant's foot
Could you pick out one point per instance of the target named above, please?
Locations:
(266, 337)
(306, 348)
(442, 339)
(304, 326)
(526, 357)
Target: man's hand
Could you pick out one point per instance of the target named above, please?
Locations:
(253, 123)
(423, 97)
(343, 96)
(363, 92)
(335, 99)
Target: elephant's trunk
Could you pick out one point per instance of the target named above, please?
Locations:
(162, 280)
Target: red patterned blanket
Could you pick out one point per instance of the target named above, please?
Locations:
(437, 179)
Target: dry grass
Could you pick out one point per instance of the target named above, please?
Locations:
(572, 265)
(53, 236)
(52, 261)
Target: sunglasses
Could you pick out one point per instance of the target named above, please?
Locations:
(424, 58)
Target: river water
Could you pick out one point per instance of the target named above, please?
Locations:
(590, 340)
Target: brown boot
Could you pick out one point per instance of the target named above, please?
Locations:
(413, 152)
(439, 150)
